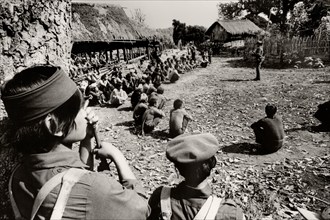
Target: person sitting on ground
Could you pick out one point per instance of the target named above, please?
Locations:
(174, 75)
(149, 70)
(135, 98)
(140, 109)
(105, 86)
(151, 117)
(161, 100)
(54, 120)
(323, 115)
(128, 83)
(91, 77)
(157, 78)
(151, 89)
(118, 95)
(269, 131)
(96, 96)
(194, 157)
(204, 62)
(146, 84)
(179, 119)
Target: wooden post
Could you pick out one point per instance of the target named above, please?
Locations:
(107, 55)
(111, 58)
(147, 52)
(124, 51)
(118, 55)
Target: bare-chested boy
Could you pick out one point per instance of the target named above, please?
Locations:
(179, 119)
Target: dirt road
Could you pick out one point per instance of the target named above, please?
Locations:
(224, 101)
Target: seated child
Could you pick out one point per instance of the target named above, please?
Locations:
(174, 75)
(118, 95)
(178, 119)
(204, 62)
(161, 100)
(323, 115)
(194, 157)
(96, 96)
(269, 131)
(139, 109)
(135, 98)
(151, 117)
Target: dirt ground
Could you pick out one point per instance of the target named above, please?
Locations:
(224, 100)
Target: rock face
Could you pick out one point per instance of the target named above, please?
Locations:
(31, 32)
(34, 32)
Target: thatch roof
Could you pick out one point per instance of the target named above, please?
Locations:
(236, 27)
(104, 22)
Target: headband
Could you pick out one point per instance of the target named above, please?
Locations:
(34, 104)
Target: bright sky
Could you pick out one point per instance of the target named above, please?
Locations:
(159, 14)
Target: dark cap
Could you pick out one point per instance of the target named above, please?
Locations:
(194, 148)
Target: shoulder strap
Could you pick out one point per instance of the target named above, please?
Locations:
(165, 203)
(44, 191)
(210, 209)
(71, 177)
(14, 207)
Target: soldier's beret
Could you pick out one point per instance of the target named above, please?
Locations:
(194, 148)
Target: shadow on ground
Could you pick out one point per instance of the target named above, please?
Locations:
(126, 109)
(243, 148)
(160, 134)
(320, 82)
(313, 129)
(241, 63)
(126, 123)
(236, 80)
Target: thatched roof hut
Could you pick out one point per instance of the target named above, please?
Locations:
(105, 22)
(228, 30)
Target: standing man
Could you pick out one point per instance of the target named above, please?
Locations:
(259, 55)
(210, 53)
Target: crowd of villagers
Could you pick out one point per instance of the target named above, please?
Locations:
(142, 83)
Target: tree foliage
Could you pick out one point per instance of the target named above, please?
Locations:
(188, 33)
(179, 31)
(283, 14)
(195, 34)
(139, 16)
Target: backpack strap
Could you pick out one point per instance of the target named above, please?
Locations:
(210, 209)
(17, 213)
(44, 191)
(70, 178)
(51, 184)
(165, 203)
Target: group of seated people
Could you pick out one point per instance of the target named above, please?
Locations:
(114, 87)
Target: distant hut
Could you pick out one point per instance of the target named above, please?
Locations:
(230, 30)
(231, 34)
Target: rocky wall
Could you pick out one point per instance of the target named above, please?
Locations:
(31, 32)
(34, 32)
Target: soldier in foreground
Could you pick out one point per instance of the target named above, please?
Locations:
(194, 157)
(55, 182)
